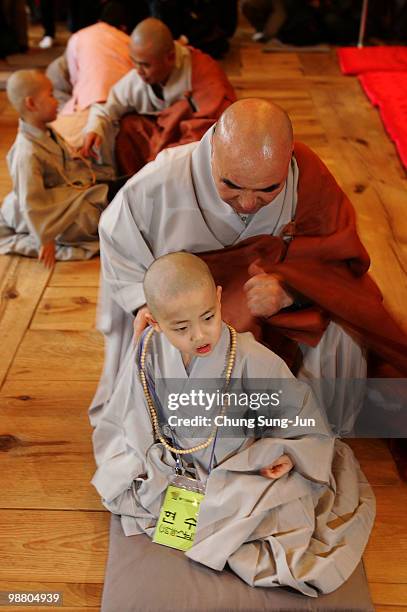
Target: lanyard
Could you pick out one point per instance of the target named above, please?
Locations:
(179, 468)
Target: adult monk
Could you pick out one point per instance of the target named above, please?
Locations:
(173, 95)
(279, 235)
(96, 57)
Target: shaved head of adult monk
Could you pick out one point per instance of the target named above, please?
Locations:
(152, 51)
(251, 153)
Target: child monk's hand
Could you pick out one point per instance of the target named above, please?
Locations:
(47, 254)
(278, 468)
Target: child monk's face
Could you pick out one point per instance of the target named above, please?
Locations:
(43, 106)
(192, 322)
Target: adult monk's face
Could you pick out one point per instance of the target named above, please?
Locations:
(248, 185)
(151, 67)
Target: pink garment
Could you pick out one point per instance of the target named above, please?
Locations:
(97, 56)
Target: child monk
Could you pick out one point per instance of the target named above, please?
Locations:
(290, 508)
(54, 208)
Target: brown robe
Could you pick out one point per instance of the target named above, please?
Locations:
(324, 261)
(142, 137)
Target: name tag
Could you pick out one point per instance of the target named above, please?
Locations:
(176, 525)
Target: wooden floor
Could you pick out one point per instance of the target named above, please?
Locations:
(53, 529)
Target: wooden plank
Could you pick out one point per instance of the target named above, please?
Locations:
(76, 273)
(267, 90)
(232, 63)
(391, 608)
(376, 461)
(320, 63)
(357, 134)
(388, 594)
(58, 355)
(21, 289)
(394, 201)
(46, 447)
(53, 546)
(74, 595)
(44, 397)
(45, 476)
(385, 557)
(359, 162)
(5, 263)
(66, 308)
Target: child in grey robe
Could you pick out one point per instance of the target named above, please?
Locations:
(53, 211)
(290, 507)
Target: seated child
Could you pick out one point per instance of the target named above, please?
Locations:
(53, 211)
(290, 509)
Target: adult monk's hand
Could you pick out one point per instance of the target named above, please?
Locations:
(278, 468)
(265, 293)
(140, 322)
(90, 144)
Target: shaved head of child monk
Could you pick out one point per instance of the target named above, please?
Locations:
(31, 94)
(184, 304)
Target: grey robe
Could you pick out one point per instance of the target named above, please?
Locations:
(172, 204)
(306, 530)
(42, 206)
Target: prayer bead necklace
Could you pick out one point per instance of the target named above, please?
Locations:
(150, 403)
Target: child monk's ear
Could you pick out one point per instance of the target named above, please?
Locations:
(151, 321)
(219, 292)
(30, 103)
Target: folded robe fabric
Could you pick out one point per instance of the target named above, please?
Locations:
(322, 233)
(141, 138)
(353, 60)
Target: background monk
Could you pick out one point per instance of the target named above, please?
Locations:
(282, 242)
(96, 58)
(176, 91)
(53, 211)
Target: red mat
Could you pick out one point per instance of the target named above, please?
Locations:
(388, 91)
(353, 60)
(381, 86)
(394, 117)
(383, 76)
